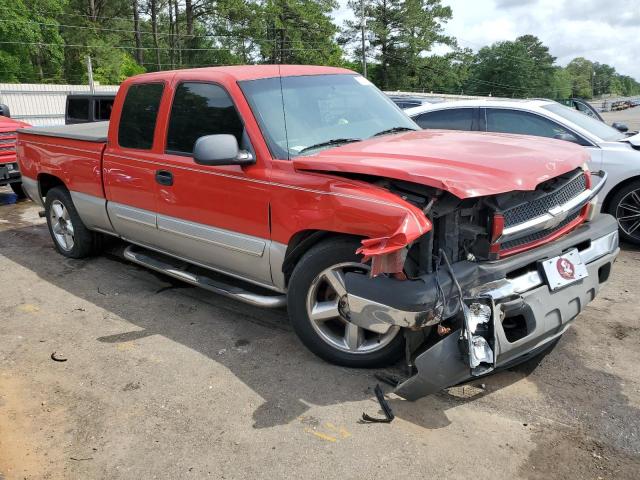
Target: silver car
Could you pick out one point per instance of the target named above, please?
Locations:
(612, 151)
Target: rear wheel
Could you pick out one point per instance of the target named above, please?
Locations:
(316, 299)
(70, 236)
(625, 206)
(17, 189)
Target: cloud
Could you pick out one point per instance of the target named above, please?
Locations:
(513, 3)
(624, 13)
(605, 32)
(602, 32)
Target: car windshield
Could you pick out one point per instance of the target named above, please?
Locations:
(305, 114)
(590, 124)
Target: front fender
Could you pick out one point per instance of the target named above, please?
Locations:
(386, 222)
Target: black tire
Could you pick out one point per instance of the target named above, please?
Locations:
(85, 242)
(321, 257)
(627, 195)
(17, 189)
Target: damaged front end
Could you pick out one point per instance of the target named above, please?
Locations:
(471, 292)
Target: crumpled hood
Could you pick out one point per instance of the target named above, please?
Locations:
(466, 164)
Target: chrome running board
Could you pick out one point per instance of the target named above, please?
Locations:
(201, 277)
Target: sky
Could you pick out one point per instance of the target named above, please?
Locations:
(606, 31)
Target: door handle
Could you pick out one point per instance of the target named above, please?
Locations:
(164, 177)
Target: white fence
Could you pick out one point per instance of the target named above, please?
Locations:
(41, 104)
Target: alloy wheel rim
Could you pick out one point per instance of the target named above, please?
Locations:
(325, 300)
(628, 214)
(61, 225)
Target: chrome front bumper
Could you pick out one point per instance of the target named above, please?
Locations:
(545, 315)
(378, 317)
(517, 289)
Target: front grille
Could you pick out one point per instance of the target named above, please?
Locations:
(542, 205)
(540, 234)
(7, 143)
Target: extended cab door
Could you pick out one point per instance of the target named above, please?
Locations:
(129, 166)
(217, 216)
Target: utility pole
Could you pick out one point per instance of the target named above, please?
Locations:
(92, 86)
(363, 25)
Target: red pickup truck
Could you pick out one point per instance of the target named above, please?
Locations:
(305, 186)
(9, 171)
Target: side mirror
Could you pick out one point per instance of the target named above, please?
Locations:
(4, 110)
(567, 137)
(220, 150)
(621, 127)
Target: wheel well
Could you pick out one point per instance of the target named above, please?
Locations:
(301, 243)
(616, 189)
(46, 182)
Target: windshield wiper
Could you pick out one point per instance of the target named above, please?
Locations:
(329, 143)
(394, 130)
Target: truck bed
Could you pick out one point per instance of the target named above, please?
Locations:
(89, 132)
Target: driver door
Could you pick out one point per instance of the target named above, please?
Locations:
(216, 216)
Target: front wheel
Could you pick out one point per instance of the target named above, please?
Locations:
(316, 299)
(625, 206)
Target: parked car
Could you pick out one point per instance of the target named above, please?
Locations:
(9, 171)
(409, 101)
(609, 149)
(619, 105)
(88, 107)
(306, 187)
(585, 107)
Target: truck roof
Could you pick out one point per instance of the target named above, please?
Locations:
(253, 72)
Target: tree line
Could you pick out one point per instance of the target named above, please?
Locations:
(47, 41)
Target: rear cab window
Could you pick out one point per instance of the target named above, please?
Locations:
(78, 109)
(102, 109)
(447, 119)
(139, 115)
(201, 109)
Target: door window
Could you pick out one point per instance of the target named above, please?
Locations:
(447, 119)
(139, 115)
(523, 123)
(201, 109)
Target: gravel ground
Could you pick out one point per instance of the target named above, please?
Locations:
(166, 381)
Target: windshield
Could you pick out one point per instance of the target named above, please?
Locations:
(302, 115)
(590, 124)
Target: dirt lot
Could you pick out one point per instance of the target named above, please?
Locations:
(167, 381)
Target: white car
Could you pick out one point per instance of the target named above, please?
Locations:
(611, 150)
